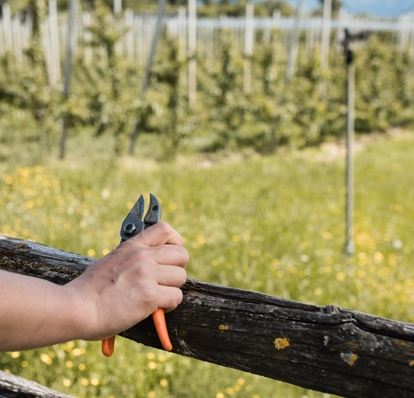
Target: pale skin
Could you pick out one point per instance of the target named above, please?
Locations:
(116, 292)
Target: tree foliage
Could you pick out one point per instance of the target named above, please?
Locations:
(105, 92)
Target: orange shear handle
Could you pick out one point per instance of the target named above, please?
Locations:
(161, 326)
(158, 317)
(108, 346)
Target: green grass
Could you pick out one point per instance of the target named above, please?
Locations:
(273, 224)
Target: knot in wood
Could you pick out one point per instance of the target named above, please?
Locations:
(348, 337)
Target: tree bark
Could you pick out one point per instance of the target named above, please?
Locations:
(328, 349)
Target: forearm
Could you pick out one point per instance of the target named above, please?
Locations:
(35, 313)
(113, 294)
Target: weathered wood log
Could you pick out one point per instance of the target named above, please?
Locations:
(328, 349)
(12, 386)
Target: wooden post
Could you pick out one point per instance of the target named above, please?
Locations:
(192, 48)
(68, 71)
(327, 349)
(248, 47)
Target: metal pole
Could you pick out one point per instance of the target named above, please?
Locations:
(349, 247)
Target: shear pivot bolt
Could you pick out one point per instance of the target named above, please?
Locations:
(130, 228)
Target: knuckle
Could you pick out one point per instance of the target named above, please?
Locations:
(179, 296)
(176, 298)
(143, 272)
(149, 296)
(180, 254)
(185, 255)
(164, 227)
(182, 276)
(139, 254)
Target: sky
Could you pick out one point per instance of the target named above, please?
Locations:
(381, 8)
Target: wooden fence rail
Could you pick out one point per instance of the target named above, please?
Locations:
(328, 349)
(12, 386)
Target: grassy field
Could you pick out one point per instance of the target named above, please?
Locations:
(273, 224)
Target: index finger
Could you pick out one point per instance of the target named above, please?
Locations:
(159, 234)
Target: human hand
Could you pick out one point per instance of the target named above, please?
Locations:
(131, 282)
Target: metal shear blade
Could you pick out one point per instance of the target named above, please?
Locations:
(154, 212)
(133, 223)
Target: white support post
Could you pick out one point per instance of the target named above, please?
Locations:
(148, 68)
(294, 44)
(309, 33)
(267, 31)
(55, 75)
(340, 27)
(325, 41)
(139, 46)
(181, 32)
(192, 48)
(276, 26)
(129, 39)
(2, 43)
(7, 28)
(117, 7)
(17, 40)
(70, 41)
(326, 33)
(248, 47)
(87, 37)
(211, 41)
(411, 40)
(117, 12)
(276, 19)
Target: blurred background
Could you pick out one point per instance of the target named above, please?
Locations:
(235, 115)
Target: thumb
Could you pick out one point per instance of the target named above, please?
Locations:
(159, 234)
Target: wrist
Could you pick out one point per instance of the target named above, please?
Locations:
(81, 313)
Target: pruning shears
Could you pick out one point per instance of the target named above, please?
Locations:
(134, 224)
